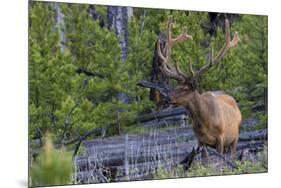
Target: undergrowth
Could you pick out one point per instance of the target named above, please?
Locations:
(199, 169)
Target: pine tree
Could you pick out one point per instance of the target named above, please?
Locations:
(253, 55)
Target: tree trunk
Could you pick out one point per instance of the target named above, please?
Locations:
(60, 25)
(118, 19)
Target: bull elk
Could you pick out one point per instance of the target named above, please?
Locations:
(216, 119)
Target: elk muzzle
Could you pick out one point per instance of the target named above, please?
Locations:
(172, 98)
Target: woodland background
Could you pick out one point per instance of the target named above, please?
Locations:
(85, 62)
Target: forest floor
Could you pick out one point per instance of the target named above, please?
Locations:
(166, 148)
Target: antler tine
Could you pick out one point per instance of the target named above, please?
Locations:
(180, 72)
(164, 59)
(171, 74)
(169, 42)
(183, 37)
(235, 40)
(159, 51)
(227, 45)
(190, 67)
(166, 67)
(169, 29)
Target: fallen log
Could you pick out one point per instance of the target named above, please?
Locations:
(249, 124)
(253, 135)
(145, 145)
(137, 169)
(166, 122)
(177, 133)
(183, 134)
(253, 147)
(154, 153)
(163, 88)
(142, 169)
(151, 154)
(161, 114)
(145, 151)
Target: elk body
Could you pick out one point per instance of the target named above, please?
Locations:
(216, 119)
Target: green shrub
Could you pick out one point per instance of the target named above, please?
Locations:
(52, 167)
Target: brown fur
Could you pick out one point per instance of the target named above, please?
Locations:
(216, 118)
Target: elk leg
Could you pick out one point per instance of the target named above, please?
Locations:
(233, 148)
(204, 152)
(220, 144)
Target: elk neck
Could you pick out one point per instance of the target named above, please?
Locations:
(197, 107)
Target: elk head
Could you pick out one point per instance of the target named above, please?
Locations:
(187, 84)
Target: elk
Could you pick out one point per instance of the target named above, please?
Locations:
(216, 119)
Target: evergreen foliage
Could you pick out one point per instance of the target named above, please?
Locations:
(68, 103)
